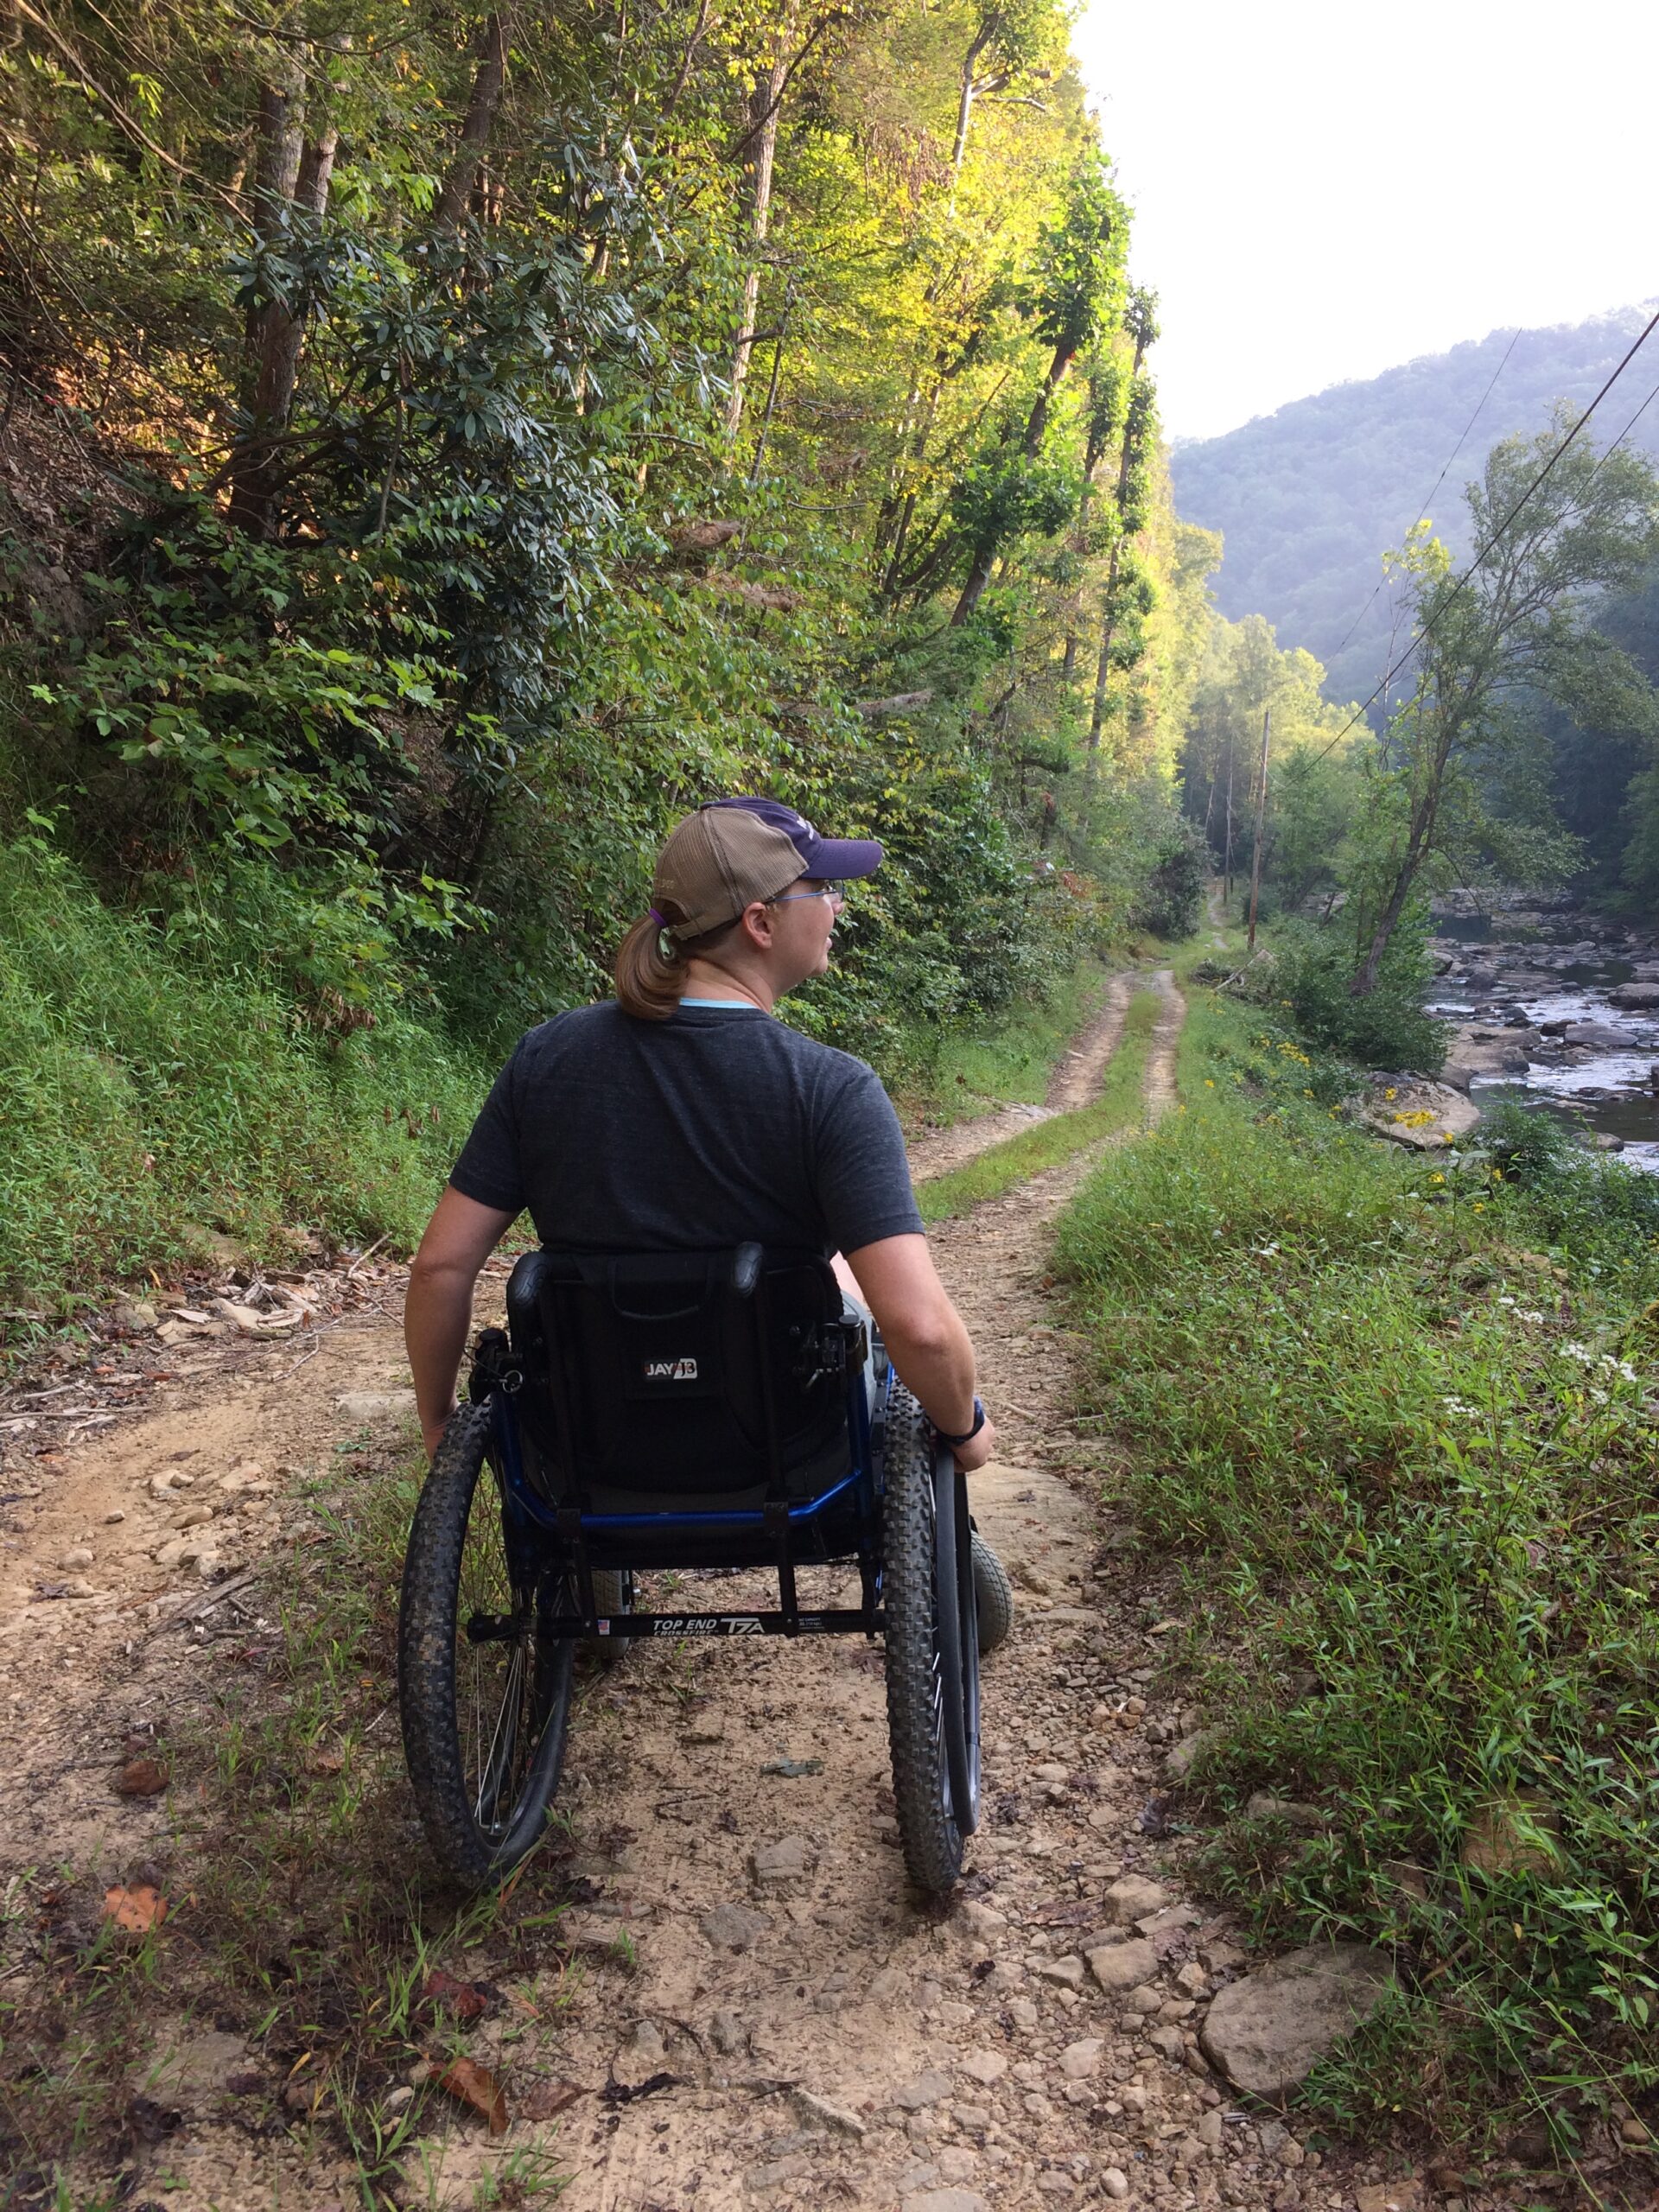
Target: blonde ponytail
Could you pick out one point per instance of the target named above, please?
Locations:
(650, 972)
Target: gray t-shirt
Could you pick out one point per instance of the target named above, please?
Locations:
(695, 1134)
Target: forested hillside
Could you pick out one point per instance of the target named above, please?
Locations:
(437, 451)
(1309, 499)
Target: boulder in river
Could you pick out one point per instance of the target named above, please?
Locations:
(1637, 998)
(1426, 1116)
(1267, 2032)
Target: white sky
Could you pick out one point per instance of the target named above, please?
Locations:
(1324, 189)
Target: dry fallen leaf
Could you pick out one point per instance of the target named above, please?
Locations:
(142, 1778)
(467, 2000)
(476, 2086)
(138, 1909)
(547, 2099)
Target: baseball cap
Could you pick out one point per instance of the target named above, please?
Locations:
(734, 850)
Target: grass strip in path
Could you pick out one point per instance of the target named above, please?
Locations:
(1394, 1422)
(1046, 1144)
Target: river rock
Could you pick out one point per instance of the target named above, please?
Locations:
(1426, 1116)
(1267, 2032)
(1637, 997)
(1598, 1036)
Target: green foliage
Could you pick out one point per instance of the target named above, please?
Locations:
(1009, 1061)
(1406, 1466)
(1172, 904)
(1533, 1149)
(1309, 971)
(421, 554)
(203, 1067)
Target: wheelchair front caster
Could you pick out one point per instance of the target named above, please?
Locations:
(993, 1595)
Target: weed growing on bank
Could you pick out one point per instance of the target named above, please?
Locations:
(1399, 1418)
(296, 1917)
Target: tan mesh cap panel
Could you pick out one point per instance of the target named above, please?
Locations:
(714, 864)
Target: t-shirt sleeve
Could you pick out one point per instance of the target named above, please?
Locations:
(490, 1168)
(861, 1168)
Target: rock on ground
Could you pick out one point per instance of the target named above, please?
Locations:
(1267, 2031)
(1410, 1111)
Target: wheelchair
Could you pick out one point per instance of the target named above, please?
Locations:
(680, 1410)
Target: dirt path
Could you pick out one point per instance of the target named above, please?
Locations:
(1215, 907)
(1074, 1082)
(828, 2042)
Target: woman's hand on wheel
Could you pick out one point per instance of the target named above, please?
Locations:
(977, 1449)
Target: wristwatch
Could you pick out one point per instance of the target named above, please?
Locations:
(968, 1434)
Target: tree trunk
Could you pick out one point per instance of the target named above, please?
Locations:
(489, 82)
(1364, 981)
(1080, 543)
(1104, 666)
(271, 343)
(969, 90)
(764, 103)
(1036, 423)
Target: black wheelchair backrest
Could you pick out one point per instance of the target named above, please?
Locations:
(682, 1375)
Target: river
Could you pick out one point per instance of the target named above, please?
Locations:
(1542, 1005)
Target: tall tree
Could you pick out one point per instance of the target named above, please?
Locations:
(1514, 628)
(1125, 593)
(1071, 294)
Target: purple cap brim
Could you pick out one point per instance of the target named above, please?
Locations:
(843, 859)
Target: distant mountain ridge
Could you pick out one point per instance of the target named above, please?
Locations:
(1309, 499)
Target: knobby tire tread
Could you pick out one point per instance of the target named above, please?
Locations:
(426, 1657)
(930, 1837)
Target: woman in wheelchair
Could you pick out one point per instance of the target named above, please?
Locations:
(681, 1383)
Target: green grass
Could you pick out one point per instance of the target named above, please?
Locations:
(1046, 1144)
(157, 1080)
(1396, 1422)
(1009, 1061)
(299, 1913)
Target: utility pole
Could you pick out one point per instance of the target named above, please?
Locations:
(1227, 850)
(1261, 817)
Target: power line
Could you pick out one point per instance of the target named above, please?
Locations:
(1481, 558)
(1423, 505)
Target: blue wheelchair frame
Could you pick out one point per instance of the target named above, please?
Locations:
(737, 1378)
(542, 1539)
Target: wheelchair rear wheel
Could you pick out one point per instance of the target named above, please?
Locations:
(485, 1692)
(927, 1595)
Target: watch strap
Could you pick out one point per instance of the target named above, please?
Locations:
(968, 1434)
